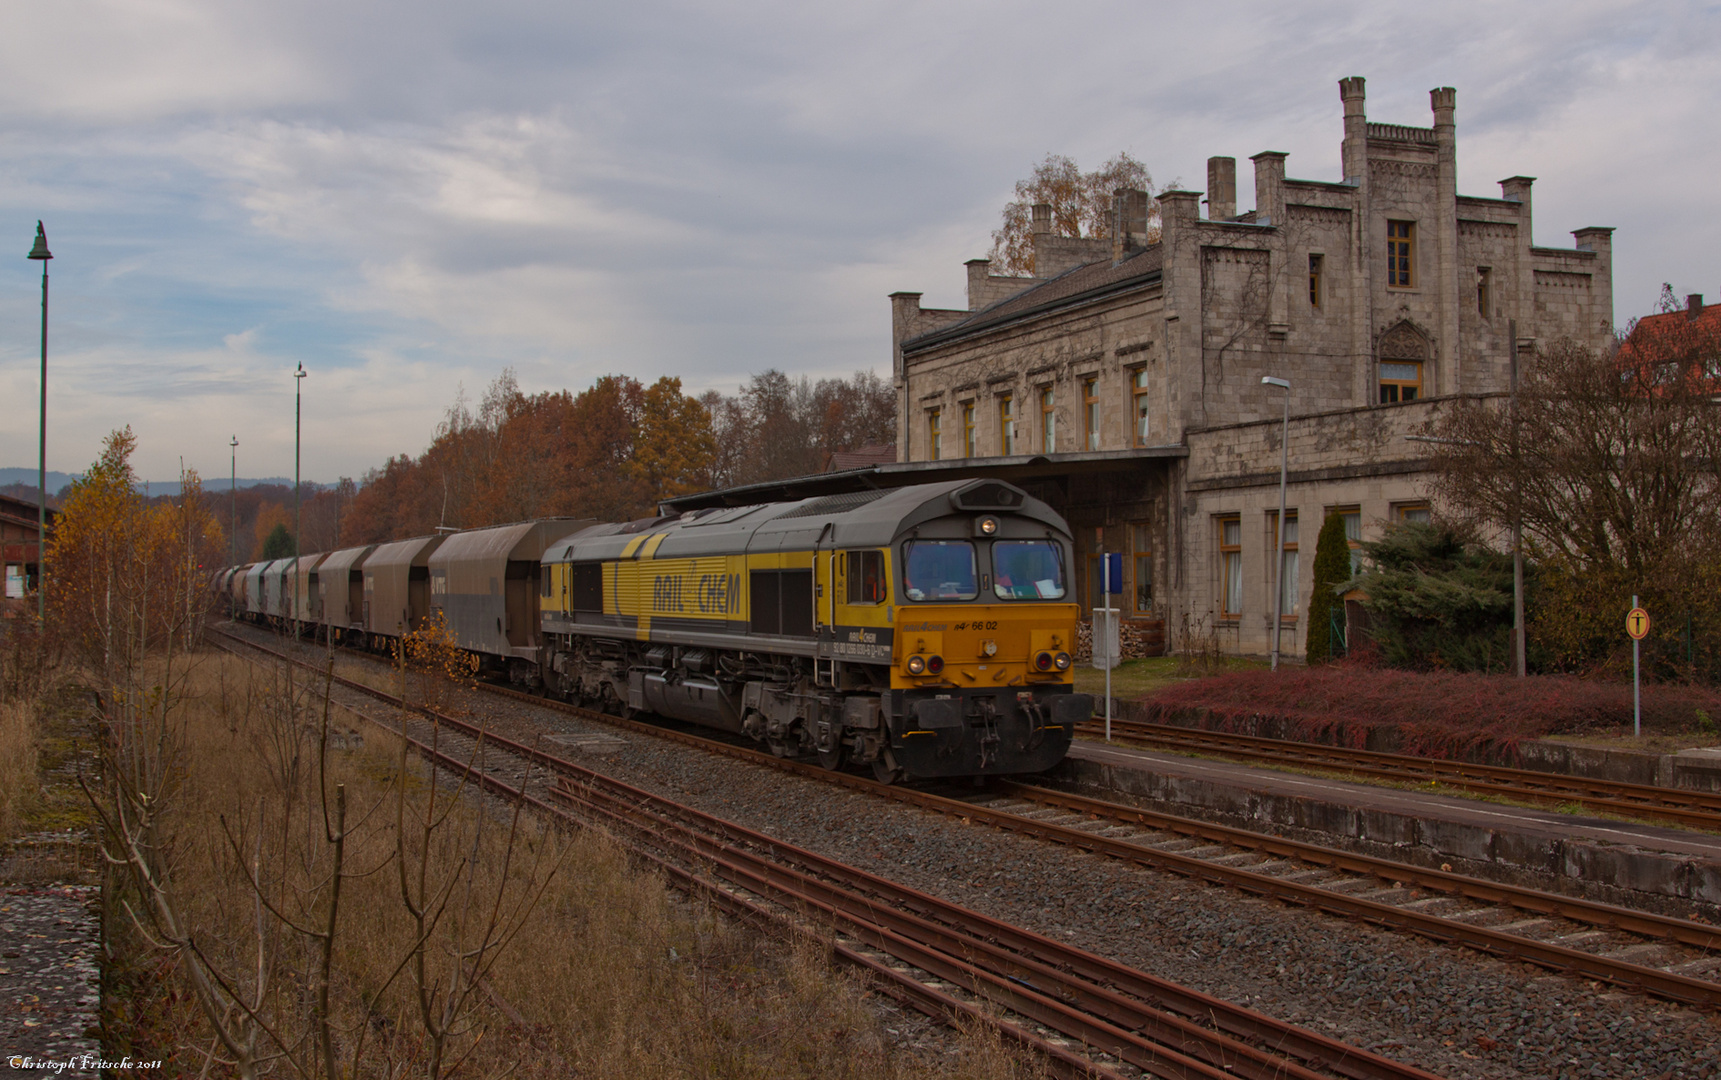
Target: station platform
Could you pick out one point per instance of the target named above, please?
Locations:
(1664, 869)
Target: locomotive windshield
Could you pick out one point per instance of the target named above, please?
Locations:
(939, 570)
(1027, 570)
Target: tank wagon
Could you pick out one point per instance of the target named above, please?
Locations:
(926, 631)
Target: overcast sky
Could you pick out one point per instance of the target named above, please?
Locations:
(408, 197)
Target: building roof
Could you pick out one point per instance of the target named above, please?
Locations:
(1074, 286)
(22, 512)
(1016, 469)
(1687, 340)
(861, 457)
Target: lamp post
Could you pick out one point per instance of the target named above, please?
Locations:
(40, 252)
(1279, 531)
(298, 383)
(233, 505)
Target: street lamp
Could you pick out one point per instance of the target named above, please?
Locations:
(298, 383)
(1279, 554)
(233, 505)
(40, 252)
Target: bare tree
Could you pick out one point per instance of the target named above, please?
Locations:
(1610, 458)
(1081, 206)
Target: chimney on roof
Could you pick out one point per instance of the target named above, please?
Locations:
(1129, 222)
(1221, 188)
(1694, 305)
(1042, 223)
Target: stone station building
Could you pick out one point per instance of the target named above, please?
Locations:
(1123, 381)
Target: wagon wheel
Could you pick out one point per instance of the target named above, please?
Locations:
(834, 758)
(885, 769)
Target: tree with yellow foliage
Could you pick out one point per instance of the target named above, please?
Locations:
(126, 577)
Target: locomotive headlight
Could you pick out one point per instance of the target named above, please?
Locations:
(1043, 661)
(934, 665)
(1062, 660)
(916, 665)
(986, 526)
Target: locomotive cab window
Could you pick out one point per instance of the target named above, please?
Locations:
(1027, 570)
(939, 570)
(866, 584)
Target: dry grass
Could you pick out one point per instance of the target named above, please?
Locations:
(598, 969)
(18, 784)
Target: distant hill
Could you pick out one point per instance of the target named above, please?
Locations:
(57, 482)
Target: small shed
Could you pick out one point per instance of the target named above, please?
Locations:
(397, 585)
(486, 582)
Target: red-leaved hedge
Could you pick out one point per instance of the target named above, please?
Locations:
(1438, 714)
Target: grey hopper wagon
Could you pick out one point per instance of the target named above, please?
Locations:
(397, 586)
(485, 584)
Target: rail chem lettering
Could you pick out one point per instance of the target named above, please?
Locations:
(707, 594)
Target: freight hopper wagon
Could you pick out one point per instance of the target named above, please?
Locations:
(925, 631)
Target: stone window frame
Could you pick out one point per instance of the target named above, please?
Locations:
(1140, 537)
(1397, 385)
(1228, 531)
(1006, 411)
(1404, 344)
(1317, 268)
(1400, 248)
(1352, 514)
(1046, 393)
(1091, 417)
(1484, 291)
(1093, 579)
(1287, 612)
(1140, 407)
(934, 436)
(970, 436)
(1412, 510)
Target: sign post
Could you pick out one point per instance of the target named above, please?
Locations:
(1637, 625)
(1105, 602)
(1105, 643)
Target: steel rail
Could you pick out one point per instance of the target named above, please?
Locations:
(898, 984)
(1155, 1040)
(1694, 808)
(1645, 924)
(1645, 979)
(1029, 974)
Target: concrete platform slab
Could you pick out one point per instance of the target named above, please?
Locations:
(1657, 868)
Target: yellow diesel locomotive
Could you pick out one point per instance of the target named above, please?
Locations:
(926, 631)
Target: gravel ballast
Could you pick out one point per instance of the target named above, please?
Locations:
(1452, 1011)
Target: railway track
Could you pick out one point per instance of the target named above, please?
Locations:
(937, 956)
(1688, 809)
(1671, 958)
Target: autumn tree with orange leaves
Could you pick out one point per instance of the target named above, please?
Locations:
(126, 578)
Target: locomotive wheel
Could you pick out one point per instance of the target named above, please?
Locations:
(834, 758)
(885, 769)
